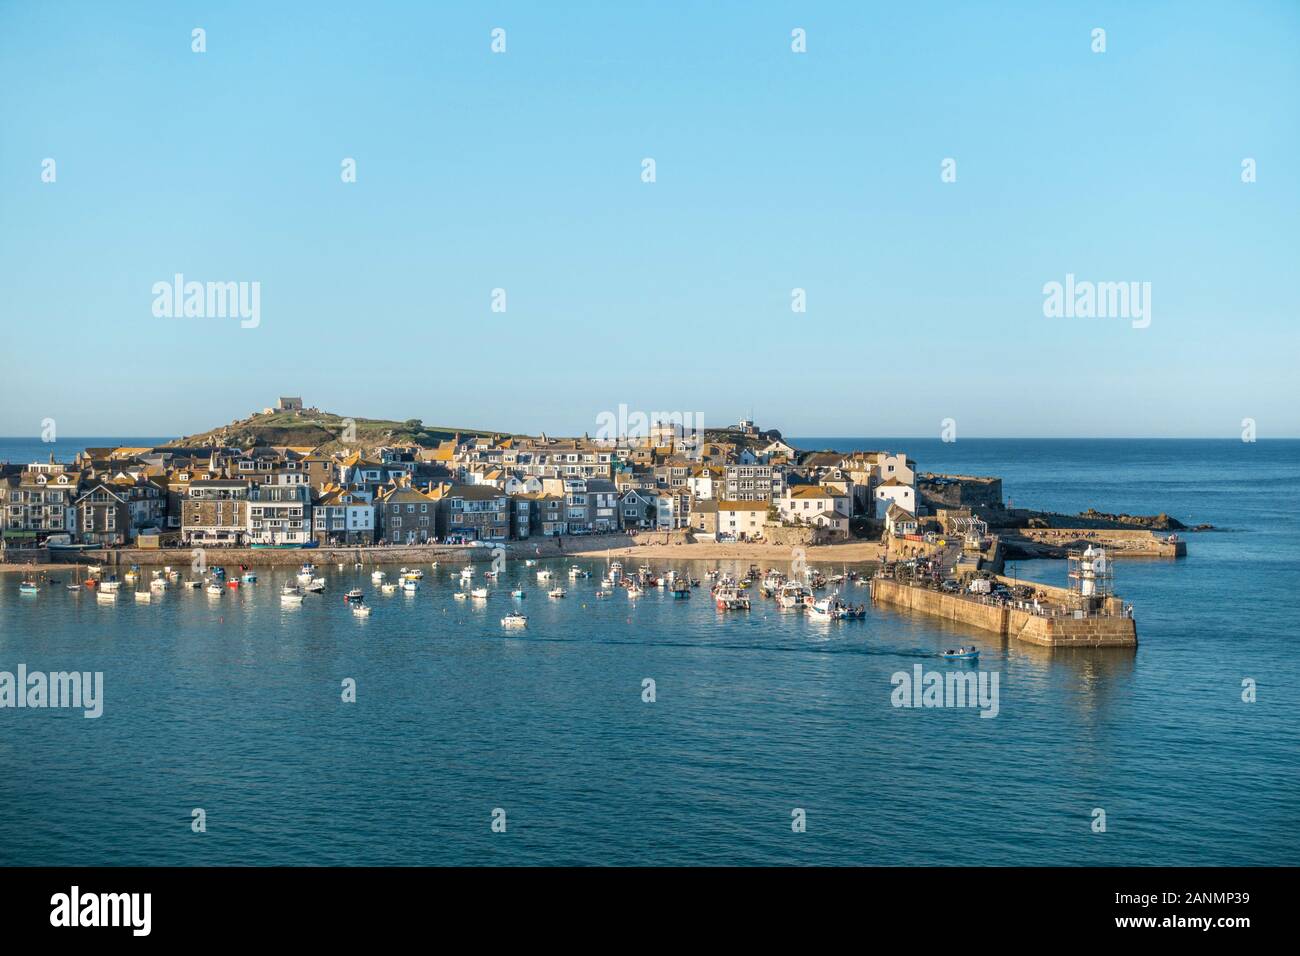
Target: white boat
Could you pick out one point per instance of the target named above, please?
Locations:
(414, 574)
(290, 595)
(514, 620)
(158, 584)
(545, 574)
(354, 595)
(195, 584)
(110, 587)
(530, 562)
(217, 589)
(823, 610)
(480, 593)
(248, 577)
(388, 587)
(410, 586)
(361, 610)
(556, 592)
(635, 591)
(106, 596)
(143, 597)
(94, 570)
(792, 595)
(173, 576)
(460, 596)
(306, 573)
(316, 586)
(378, 577)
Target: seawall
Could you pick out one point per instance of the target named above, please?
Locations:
(1061, 630)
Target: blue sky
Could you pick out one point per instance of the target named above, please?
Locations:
(775, 170)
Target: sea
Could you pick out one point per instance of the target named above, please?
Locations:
(660, 731)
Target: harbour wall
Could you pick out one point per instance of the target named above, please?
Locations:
(1111, 630)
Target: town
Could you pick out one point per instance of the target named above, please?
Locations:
(739, 484)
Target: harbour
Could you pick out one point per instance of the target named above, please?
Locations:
(233, 703)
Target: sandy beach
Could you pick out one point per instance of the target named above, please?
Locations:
(761, 554)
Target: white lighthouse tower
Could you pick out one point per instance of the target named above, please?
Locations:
(1091, 578)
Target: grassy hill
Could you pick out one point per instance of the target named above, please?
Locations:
(323, 430)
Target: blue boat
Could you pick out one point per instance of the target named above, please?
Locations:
(962, 654)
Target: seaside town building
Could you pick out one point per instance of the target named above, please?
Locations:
(734, 483)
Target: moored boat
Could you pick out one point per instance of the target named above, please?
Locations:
(556, 592)
(514, 620)
(290, 595)
(962, 654)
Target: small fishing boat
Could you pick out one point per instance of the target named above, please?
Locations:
(517, 593)
(195, 584)
(479, 593)
(143, 597)
(530, 563)
(410, 585)
(388, 587)
(111, 586)
(290, 595)
(460, 596)
(306, 573)
(361, 610)
(248, 577)
(215, 588)
(514, 620)
(158, 584)
(94, 570)
(545, 574)
(316, 586)
(233, 585)
(132, 574)
(576, 572)
(354, 595)
(681, 589)
(466, 573)
(604, 593)
(414, 574)
(28, 587)
(218, 572)
(106, 596)
(556, 592)
(635, 591)
(962, 654)
(73, 586)
(173, 575)
(822, 610)
(378, 577)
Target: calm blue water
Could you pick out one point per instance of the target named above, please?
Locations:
(232, 704)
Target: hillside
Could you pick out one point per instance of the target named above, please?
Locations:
(324, 430)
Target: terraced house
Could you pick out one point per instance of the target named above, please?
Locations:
(104, 515)
(215, 512)
(406, 516)
(472, 512)
(39, 502)
(343, 516)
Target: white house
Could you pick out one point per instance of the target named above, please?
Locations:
(736, 518)
(893, 491)
(804, 502)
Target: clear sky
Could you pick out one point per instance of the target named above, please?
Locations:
(774, 170)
